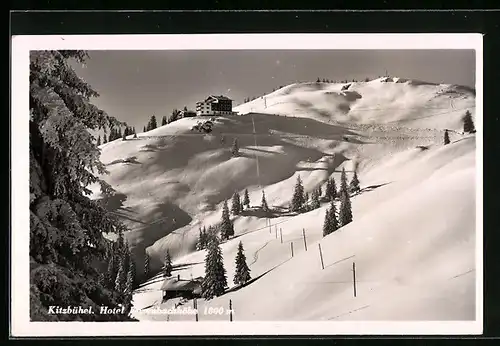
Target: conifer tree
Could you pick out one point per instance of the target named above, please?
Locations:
(154, 125)
(343, 182)
(320, 191)
(129, 285)
(205, 237)
(298, 198)
(236, 204)
(111, 271)
(144, 129)
(468, 123)
(226, 226)
(121, 277)
(135, 134)
(263, 203)
(315, 203)
(235, 150)
(446, 137)
(331, 189)
(330, 224)
(104, 140)
(354, 185)
(246, 199)
(306, 197)
(146, 266)
(167, 265)
(124, 137)
(215, 281)
(99, 140)
(199, 243)
(242, 273)
(119, 133)
(164, 120)
(345, 212)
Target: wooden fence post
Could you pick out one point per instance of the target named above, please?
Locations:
(304, 235)
(321, 256)
(354, 277)
(230, 310)
(195, 306)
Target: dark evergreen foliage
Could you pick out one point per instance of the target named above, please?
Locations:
(468, 123)
(330, 224)
(263, 203)
(226, 225)
(298, 198)
(246, 199)
(242, 273)
(67, 246)
(345, 212)
(236, 204)
(167, 265)
(354, 185)
(446, 137)
(331, 189)
(215, 281)
(315, 203)
(343, 182)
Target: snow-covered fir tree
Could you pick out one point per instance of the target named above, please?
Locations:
(235, 149)
(199, 243)
(343, 182)
(446, 137)
(236, 204)
(64, 162)
(331, 189)
(330, 224)
(263, 203)
(298, 198)
(246, 199)
(315, 203)
(215, 280)
(121, 277)
(242, 273)
(354, 185)
(226, 225)
(111, 271)
(129, 285)
(468, 123)
(167, 265)
(345, 212)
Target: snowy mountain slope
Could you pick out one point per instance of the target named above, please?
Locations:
(412, 262)
(174, 181)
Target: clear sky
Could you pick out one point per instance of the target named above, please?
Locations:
(137, 84)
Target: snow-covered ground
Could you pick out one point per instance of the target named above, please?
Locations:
(413, 234)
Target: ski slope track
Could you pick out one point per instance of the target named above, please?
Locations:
(413, 231)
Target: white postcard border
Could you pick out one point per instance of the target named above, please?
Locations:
(19, 285)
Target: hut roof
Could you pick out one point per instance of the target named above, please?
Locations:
(173, 284)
